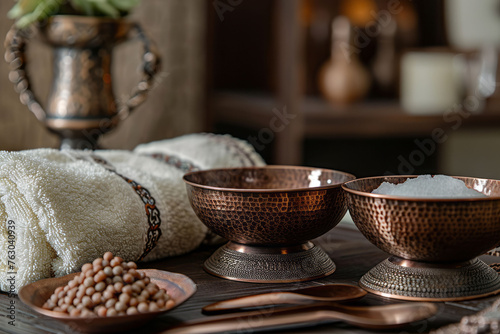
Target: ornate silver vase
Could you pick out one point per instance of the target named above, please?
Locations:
(81, 105)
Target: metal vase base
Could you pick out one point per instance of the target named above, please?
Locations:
(417, 281)
(258, 264)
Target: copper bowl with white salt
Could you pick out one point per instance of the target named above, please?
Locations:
(434, 242)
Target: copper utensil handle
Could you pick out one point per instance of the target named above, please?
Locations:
(380, 317)
(15, 45)
(322, 293)
(272, 298)
(247, 321)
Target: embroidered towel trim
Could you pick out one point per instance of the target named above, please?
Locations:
(152, 212)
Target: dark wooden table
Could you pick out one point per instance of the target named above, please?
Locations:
(351, 252)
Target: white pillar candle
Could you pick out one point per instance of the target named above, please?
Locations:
(431, 82)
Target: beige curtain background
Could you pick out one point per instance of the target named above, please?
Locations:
(174, 107)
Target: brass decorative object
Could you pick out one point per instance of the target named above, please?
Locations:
(81, 106)
(342, 78)
(269, 214)
(434, 242)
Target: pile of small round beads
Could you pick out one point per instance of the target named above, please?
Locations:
(108, 287)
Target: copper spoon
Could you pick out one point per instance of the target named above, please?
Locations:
(378, 317)
(323, 293)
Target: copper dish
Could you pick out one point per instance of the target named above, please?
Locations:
(434, 243)
(34, 295)
(269, 214)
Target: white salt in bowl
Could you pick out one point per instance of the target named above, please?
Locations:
(427, 229)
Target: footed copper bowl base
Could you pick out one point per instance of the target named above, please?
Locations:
(410, 280)
(259, 264)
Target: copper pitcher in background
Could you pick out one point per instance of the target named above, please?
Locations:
(81, 105)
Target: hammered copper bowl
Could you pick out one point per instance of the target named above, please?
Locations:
(429, 230)
(268, 205)
(276, 208)
(427, 233)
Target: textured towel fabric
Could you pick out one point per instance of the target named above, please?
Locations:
(232, 152)
(61, 209)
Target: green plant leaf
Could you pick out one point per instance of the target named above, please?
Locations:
(124, 5)
(22, 7)
(26, 12)
(44, 9)
(83, 6)
(104, 8)
(15, 11)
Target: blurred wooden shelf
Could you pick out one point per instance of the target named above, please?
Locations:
(282, 59)
(362, 120)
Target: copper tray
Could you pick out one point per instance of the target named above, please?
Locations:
(178, 286)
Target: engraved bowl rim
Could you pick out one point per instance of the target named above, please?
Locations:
(350, 177)
(415, 199)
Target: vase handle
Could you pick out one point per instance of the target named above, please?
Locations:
(15, 46)
(151, 64)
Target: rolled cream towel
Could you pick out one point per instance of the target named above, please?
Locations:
(61, 209)
(232, 153)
